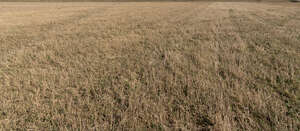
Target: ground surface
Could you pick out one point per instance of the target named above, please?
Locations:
(190, 66)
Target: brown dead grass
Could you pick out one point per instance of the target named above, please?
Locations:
(150, 66)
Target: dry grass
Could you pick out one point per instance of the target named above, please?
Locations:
(150, 66)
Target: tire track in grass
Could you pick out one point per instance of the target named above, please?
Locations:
(278, 19)
(272, 57)
(227, 71)
(231, 47)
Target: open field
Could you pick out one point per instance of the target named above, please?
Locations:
(155, 66)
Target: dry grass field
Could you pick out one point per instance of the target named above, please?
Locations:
(150, 66)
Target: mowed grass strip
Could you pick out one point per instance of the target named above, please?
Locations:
(155, 66)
